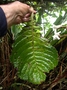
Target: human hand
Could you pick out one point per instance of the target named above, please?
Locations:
(17, 12)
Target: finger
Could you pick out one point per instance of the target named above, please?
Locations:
(25, 19)
(27, 15)
(32, 10)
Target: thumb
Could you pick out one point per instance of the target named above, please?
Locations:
(32, 10)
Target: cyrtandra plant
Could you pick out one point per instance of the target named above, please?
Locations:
(32, 55)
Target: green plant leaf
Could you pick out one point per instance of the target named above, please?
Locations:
(33, 56)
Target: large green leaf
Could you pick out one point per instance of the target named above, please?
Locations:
(33, 56)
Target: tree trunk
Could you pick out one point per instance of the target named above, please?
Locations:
(6, 69)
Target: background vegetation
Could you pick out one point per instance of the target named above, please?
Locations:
(51, 15)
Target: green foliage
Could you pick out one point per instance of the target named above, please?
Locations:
(58, 21)
(32, 55)
(15, 29)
